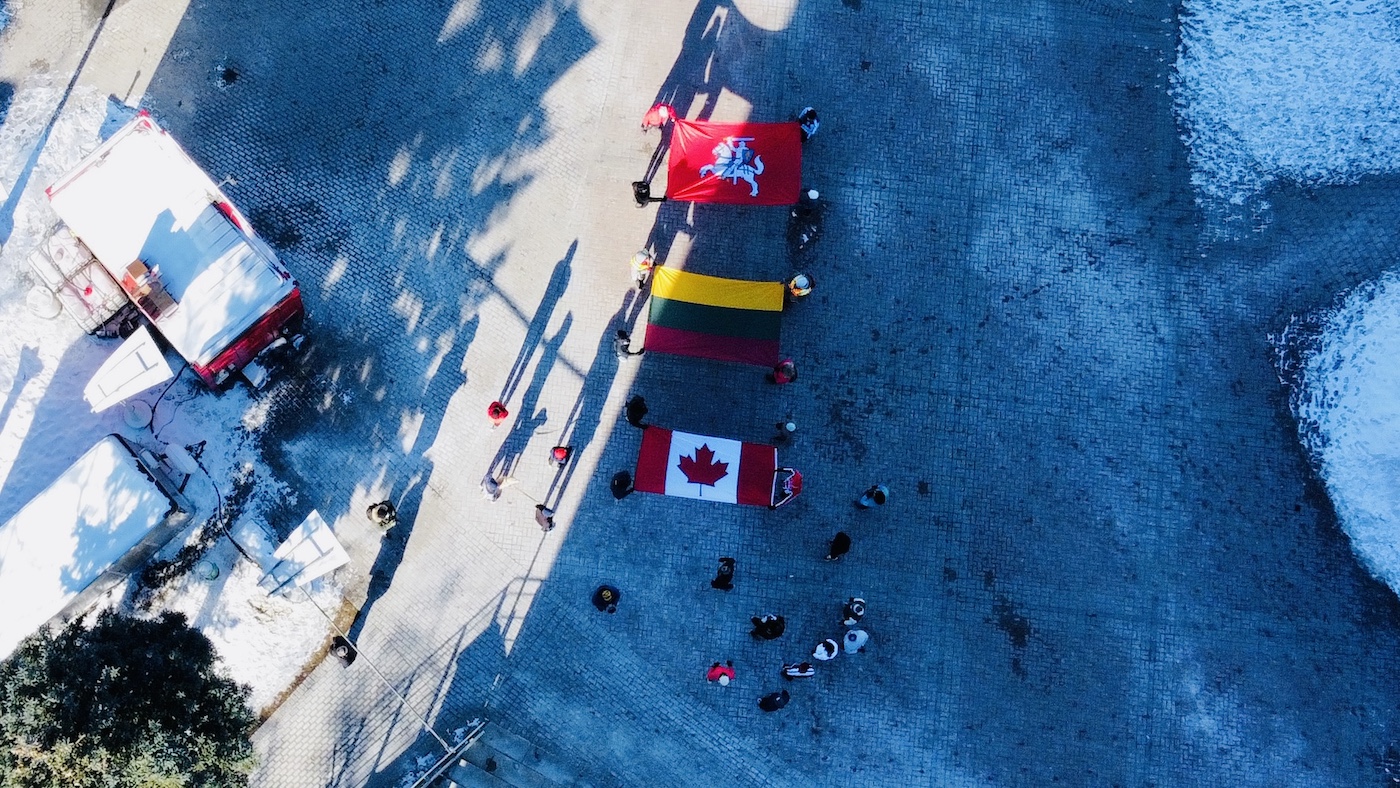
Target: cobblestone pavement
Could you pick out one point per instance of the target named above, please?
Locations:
(1105, 561)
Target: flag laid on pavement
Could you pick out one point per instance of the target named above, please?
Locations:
(737, 163)
(711, 469)
(714, 318)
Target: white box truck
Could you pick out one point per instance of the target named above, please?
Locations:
(180, 250)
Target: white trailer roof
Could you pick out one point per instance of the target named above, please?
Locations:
(140, 197)
(65, 538)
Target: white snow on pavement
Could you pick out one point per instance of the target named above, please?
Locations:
(1299, 90)
(1347, 400)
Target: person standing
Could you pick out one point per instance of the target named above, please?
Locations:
(636, 411)
(724, 575)
(768, 626)
(826, 650)
(621, 485)
(642, 264)
(875, 496)
(497, 413)
(855, 640)
(774, 700)
(799, 287)
(605, 598)
(723, 674)
(840, 545)
(622, 346)
(853, 612)
(784, 372)
(545, 517)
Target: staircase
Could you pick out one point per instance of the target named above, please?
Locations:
(497, 758)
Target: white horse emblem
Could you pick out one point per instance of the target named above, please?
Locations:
(736, 161)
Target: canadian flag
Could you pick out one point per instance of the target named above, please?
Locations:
(711, 469)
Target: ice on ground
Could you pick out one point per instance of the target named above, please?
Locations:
(1296, 90)
(1344, 366)
(45, 424)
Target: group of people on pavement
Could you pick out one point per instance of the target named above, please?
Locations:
(771, 627)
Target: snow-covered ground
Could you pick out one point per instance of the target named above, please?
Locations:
(45, 424)
(1345, 368)
(1306, 91)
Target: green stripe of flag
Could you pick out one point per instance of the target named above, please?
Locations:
(715, 320)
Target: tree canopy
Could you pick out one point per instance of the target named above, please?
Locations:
(125, 703)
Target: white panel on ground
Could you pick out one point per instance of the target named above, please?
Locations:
(136, 366)
(310, 552)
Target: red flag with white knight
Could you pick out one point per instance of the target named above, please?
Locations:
(735, 163)
(704, 467)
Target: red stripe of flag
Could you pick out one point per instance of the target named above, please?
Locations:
(679, 341)
(756, 465)
(652, 461)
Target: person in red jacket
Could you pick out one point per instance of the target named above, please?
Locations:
(721, 673)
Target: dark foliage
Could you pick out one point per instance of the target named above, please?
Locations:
(127, 702)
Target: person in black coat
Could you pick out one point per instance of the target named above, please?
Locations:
(774, 701)
(840, 545)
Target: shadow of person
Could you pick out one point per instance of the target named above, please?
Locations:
(582, 422)
(558, 283)
(523, 429)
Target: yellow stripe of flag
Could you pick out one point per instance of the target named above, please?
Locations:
(713, 291)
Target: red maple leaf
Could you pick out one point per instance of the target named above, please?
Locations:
(702, 468)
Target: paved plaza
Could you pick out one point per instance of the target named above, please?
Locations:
(1105, 561)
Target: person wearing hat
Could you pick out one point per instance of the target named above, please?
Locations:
(853, 612)
(799, 286)
(605, 598)
(826, 650)
(721, 673)
(856, 640)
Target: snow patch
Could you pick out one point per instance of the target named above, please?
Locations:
(1344, 366)
(1292, 90)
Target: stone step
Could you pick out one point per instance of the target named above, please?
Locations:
(555, 771)
(467, 775)
(509, 770)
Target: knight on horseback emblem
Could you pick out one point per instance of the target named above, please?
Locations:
(735, 161)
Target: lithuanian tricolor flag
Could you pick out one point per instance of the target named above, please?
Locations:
(710, 317)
